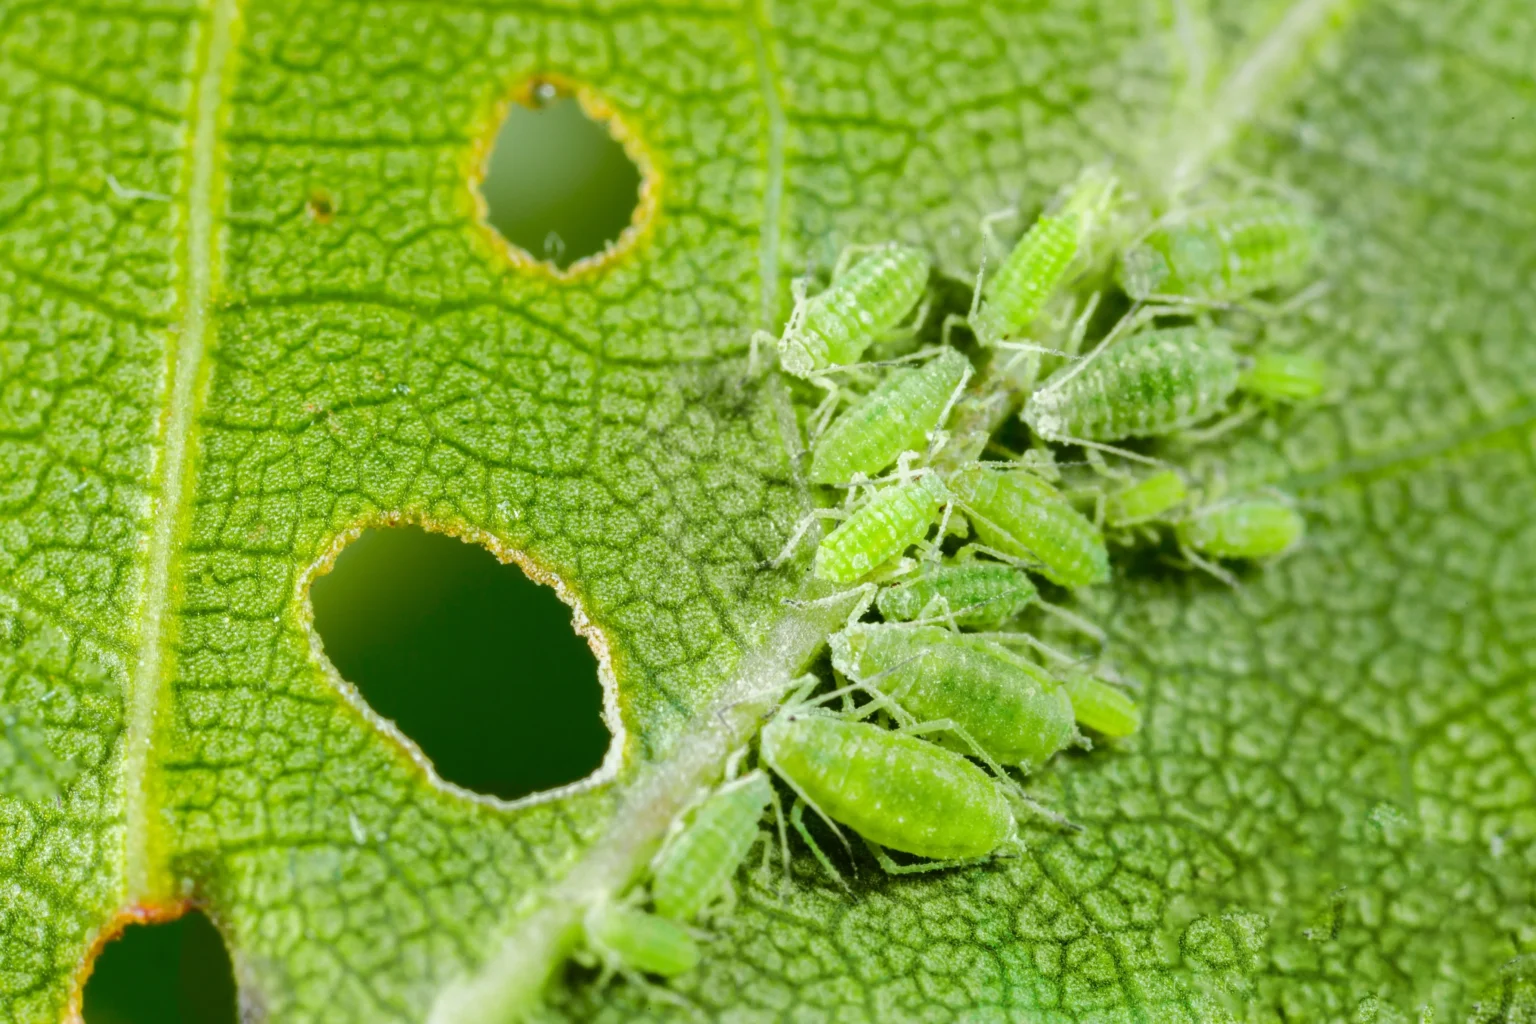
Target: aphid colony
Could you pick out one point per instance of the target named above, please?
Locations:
(918, 743)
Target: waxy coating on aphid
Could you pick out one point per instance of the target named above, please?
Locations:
(894, 519)
(1222, 253)
(1154, 382)
(1251, 528)
(895, 417)
(1024, 517)
(1285, 377)
(638, 941)
(896, 790)
(698, 864)
(1038, 263)
(1011, 708)
(835, 326)
(1102, 707)
(979, 595)
(1148, 499)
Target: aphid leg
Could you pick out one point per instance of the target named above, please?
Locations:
(1035, 807)
(1091, 447)
(937, 437)
(799, 535)
(1035, 642)
(989, 237)
(850, 251)
(1207, 566)
(758, 338)
(950, 320)
(957, 731)
(797, 818)
(1073, 620)
(890, 867)
(778, 818)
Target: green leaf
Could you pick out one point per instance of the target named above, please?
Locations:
(1329, 815)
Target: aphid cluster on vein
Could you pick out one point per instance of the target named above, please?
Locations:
(918, 743)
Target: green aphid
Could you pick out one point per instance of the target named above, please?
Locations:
(1018, 514)
(1101, 707)
(1222, 253)
(1243, 528)
(835, 326)
(1147, 500)
(978, 595)
(1154, 382)
(1285, 377)
(894, 519)
(897, 416)
(632, 941)
(1007, 706)
(695, 868)
(1034, 270)
(894, 789)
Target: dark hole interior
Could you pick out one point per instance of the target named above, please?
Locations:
(475, 662)
(172, 973)
(559, 185)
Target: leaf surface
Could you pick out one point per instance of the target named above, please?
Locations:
(207, 387)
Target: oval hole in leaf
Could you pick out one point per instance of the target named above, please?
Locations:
(175, 972)
(559, 185)
(475, 662)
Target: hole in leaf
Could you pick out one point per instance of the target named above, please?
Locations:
(176, 972)
(475, 662)
(559, 185)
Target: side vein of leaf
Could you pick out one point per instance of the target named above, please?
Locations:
(198, 275)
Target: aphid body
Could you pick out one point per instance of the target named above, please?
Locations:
(1022, 516)
(1012, 709)
(978, 594)
(835, 326)
(893, 789)
(631, 940)
(1154, 382)
(1285, 377)
(697, 865)
(891, 521)
(895, 417)
(1222, 253)
(1250, 528)
(1033, 271)
(1149, 499)
(1102, 707)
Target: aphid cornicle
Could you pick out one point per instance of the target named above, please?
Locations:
(696, 867)
(1021, 516)
(895, 417)
(1154, 382)
(1012, 709)
(1247, 528)
(979, 595)
(894, 519)
(1147, 500)
(1040, 261)
(626, 939)
(835, 326)
(1221, 253)
(1102, 707)
(893, 789)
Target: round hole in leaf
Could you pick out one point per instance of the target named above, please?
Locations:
(174, 972)
(473, 661)
(559, 185)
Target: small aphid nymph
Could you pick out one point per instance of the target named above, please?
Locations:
(632, 941)
(897, 416)
(1149, 499)
(1285, 377)
(1101, 707)
(695, 868)
(897, 517)
(835, 326)
(1244, 528)
(1023, 517)
(1221, 253)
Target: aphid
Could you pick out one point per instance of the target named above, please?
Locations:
(894, 519)
(1149, 499)
(1248, 528)
(1010, 708)
(1221, 253)
(696, 867)
(630, 941)
(897, 416)
(1018, 514)
(835, 326)
(977, 594)
(1102, 707)
(1154, 382)
(892, 788)
(1033, 271)
(1285, 377)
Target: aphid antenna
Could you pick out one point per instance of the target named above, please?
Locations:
(801, 528)
(1109, 449)
(937, 437)
(854, 249)
(1031, 640)
(1133, 317)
